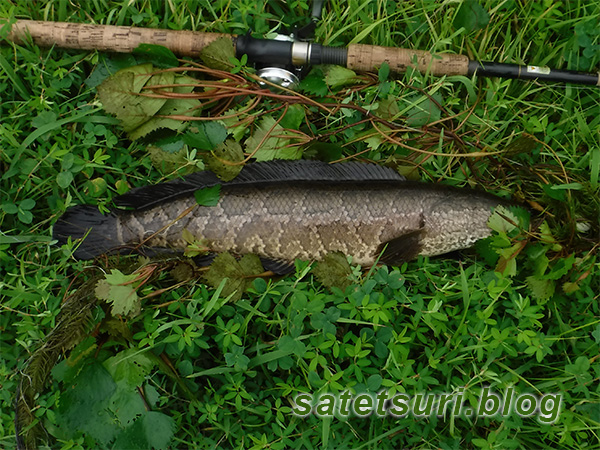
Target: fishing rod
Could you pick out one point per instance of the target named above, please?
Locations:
(290, 53)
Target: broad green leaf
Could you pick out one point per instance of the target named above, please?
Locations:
(69, 368)
(44, 118)
(502, 220)
(130, 366)
(239, 274)
(323, 151)
(83, 405)
(218, 54)
(229, 151)
(109, 64)
(294, 117)
(423, 109)
(119, 290)
(205, 136)
(314, 84)
(165, 160)
(25, 216)
(128, 369)
(157, 55)
(471, 16)
(170, 144)
(119, 94)
(152, 430)
(272, 142)
(338, 76)
(384, 72)
(374, 382)
(388, 108)
(208, 196)
(290, 345)
(334, 271)
(173, 106)
(542, 289)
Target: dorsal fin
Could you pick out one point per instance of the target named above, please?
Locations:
(263, 173)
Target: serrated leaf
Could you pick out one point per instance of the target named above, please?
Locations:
(118, 290)
(561, 268)
(542, 289)
(240, 274)
(119, 94)
(208, 196)
(293, 117)
(205, 136)
(130, 366)
(166, 161)
(384, 72)
(83, 406)
(228, 151)
(323, 151)
(502, 220)
(108, 65)
(471, 16)
(128, 369)
(334, 271)
(170, 144)
(173, 106)
(314, 84)
(218, 54)
(569, 288)
(388, 108)
(158, 55)
(424, 110)
(269, 146)
(338, 76)
(152, 430)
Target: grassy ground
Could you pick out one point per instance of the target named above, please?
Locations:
(195, 370)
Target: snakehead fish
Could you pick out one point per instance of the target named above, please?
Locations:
(283, 210)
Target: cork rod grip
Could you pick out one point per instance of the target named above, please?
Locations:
(370, 57)
(110, 37)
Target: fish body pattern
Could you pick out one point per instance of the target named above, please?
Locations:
(285, 210)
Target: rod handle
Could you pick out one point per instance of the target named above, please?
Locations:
(110, 38)
(370, 57)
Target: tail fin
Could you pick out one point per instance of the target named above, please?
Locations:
(75, 224)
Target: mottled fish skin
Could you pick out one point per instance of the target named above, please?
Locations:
(307, 222)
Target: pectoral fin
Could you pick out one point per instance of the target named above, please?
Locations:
(402, 248)
(278, 266)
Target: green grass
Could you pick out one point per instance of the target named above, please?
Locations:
(196, 369)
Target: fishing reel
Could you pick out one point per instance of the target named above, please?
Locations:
(284, 60)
